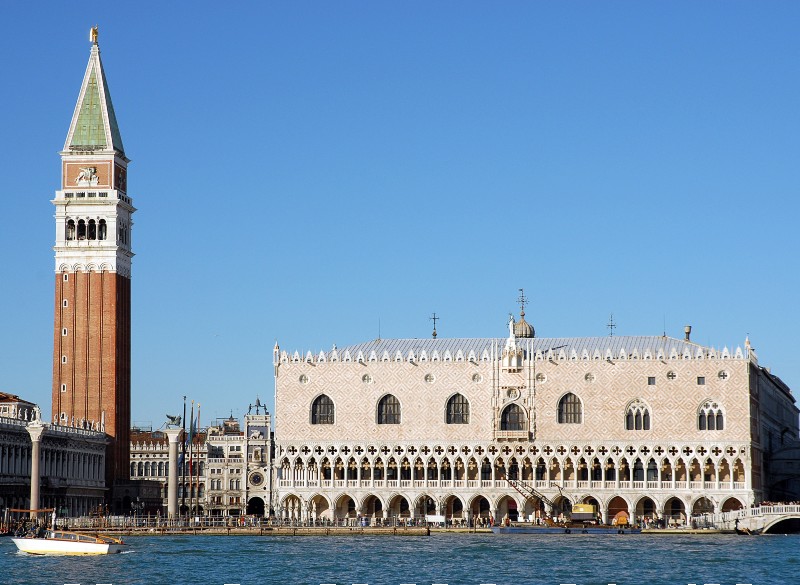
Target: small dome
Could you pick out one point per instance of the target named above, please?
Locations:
(522, 328)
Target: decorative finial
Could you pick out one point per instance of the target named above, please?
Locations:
(93, 35)
(611, 326)
(522, 300)
(434, 318)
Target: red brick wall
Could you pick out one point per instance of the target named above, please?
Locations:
(97, 346)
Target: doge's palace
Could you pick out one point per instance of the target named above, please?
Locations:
(650, 426)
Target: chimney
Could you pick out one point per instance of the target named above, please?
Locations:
(688, 331)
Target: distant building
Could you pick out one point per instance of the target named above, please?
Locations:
(12, 406)
(72, 463)
(227, 472)
(644, 426)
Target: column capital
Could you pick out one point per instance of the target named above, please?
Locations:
(173, 434)
(35, 430)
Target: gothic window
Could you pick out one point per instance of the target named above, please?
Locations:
(637, 417)
(322, 411)
(710, 417)
(512, 419)
(458, 410)
(92, 232)
(570, 409)
(70, 235)
(102, 230)
(389, 410)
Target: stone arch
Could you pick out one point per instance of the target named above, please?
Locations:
(320, 507)
(454, 507)
(702, 505)
(400, 505)
(646, 507)
(345, 506)
(674, 511)
(509, 506)
(618, 511)
(373, 507)
(732, 503)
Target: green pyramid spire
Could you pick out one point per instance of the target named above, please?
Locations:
(94, 124)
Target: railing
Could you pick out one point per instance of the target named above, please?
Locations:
(582, 485)
(695, 485)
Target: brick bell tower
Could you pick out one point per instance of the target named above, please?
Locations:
(92, 331)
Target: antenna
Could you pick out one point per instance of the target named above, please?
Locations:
(379, 328)
(434, 318)
(611, 326)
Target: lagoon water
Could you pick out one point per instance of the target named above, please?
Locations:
(455, 559)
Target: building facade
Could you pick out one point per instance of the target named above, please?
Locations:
(648, 426)
(92, 324)
(227, 472)
(71, 466)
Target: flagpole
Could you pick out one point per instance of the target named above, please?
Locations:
(191, 452)
(198, 461)
(183, 461)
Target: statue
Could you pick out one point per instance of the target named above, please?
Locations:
(87, 176)
(93, 35)
(510, 325)
(37, 413)
(173, 421)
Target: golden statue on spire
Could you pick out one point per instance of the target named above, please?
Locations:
(93, 35)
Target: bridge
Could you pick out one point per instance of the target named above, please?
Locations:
(772, 519)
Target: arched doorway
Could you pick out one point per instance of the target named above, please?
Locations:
(255, 506)
(674, 512)
(618, 513)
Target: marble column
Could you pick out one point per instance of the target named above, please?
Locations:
(172, 480)
(35, 430)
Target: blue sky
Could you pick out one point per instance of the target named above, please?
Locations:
(305, 171)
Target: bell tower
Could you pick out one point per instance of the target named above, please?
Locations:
(92, 327)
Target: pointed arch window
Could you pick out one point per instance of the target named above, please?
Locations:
(570, 409)
(637, 416)
(710, 417)
(513, 418)
(389, 410)
(458, 410)
(322, 410)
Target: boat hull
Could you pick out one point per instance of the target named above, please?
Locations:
(47, 546)
(564, 530)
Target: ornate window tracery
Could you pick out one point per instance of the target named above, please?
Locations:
(513, 418)
(458, 410)
(322, 410)
(710, 417)
(570, 409)
(637, 416)
(389, 410)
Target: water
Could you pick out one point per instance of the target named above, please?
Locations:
(455, 559)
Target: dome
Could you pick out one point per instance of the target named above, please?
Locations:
(522, 328)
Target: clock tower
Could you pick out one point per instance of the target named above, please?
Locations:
(93, 220)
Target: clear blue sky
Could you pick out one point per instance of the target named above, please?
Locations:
(304, 171)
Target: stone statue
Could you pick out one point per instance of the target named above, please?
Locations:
(87, 176)
(510, 325)
(37, 413)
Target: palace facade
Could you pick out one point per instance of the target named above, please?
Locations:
(649, 426)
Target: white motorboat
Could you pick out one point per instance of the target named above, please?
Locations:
(37, 538)
(65, 542)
